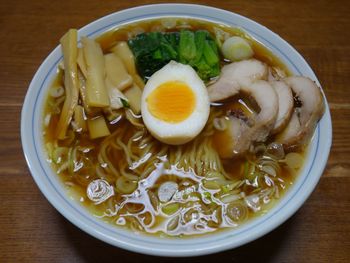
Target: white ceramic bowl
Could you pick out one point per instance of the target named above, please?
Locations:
(52, 188)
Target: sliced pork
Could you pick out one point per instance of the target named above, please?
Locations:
(240, 135)
(236, 75)
(285, 105)
(305, 116)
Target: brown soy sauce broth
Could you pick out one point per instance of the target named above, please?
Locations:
(197, 206)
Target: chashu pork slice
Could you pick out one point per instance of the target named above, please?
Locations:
(236, 75)
(239, 135)
(304, 118)
(285, 105)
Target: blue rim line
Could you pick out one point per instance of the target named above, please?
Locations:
(268, 216)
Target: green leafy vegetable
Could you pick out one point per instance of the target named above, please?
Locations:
(155, 49)
(209, 54)
(199, 38)
(187, 47)
(125, 103)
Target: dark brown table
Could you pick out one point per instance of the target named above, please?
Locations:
(31, 230)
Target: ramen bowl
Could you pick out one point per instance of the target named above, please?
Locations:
(53, 189)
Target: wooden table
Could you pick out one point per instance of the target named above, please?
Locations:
(31, 230)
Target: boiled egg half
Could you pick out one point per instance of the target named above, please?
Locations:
(175, 104)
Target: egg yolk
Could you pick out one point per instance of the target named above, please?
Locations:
(171, 102)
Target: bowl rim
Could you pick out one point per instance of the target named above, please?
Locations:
(35, 157)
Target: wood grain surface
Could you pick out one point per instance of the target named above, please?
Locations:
(31, 230)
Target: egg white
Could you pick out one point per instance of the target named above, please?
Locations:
(184, 131)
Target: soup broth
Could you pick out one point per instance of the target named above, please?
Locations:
(132, 180)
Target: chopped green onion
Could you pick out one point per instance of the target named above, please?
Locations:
(211, 184)
(207, 196)
(170, 208)
(236, 49)
(58, 153)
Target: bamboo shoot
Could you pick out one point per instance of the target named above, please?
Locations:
(81, 62)
(116, 72)
(69, 50)
(134, 96)
(96, 92)
(98, 127)
(79, 119)
(138, 81)
(123, 51)
(115, 96)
